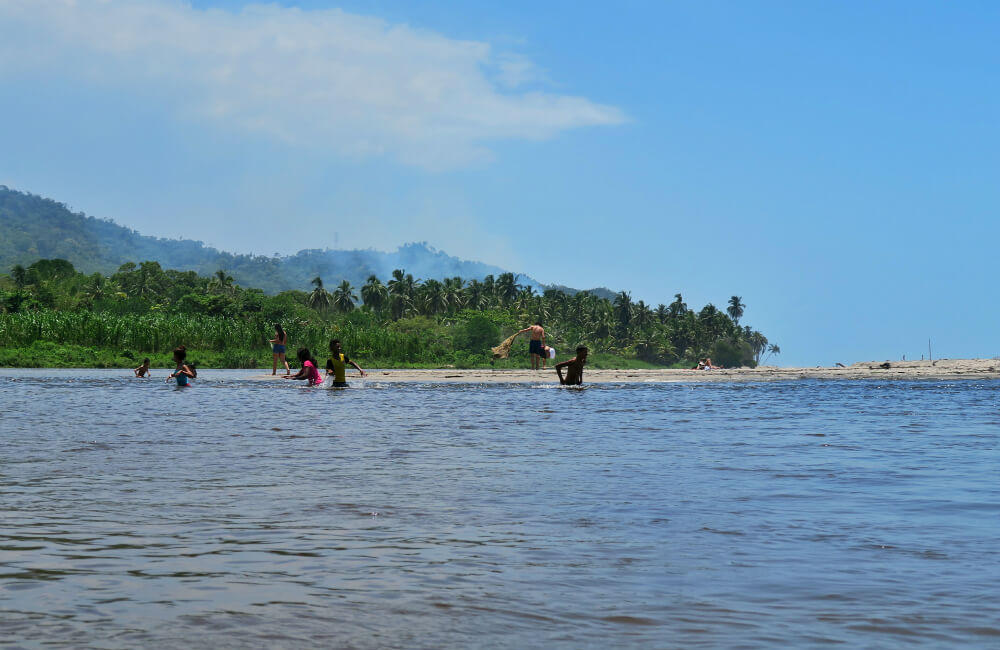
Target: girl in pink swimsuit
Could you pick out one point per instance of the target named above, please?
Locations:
(309, 371)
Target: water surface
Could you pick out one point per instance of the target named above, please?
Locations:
(242, 513)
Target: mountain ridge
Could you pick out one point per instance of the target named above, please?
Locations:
(34, 227)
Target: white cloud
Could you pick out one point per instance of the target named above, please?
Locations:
(325, 79)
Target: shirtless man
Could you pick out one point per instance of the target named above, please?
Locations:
(574, 368)
(536, 344)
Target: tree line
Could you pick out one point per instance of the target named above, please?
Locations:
(470, 314)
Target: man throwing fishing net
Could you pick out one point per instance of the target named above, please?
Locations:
(536, 345)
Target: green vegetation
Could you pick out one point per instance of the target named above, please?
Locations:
(52, 315)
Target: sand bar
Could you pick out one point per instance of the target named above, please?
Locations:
(942, 369)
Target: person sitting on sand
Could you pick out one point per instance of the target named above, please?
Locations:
(574, 368)
(143, 370)
(336, 365)
(308, 371)
(536, 343)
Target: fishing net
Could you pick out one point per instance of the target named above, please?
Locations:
(502, 351)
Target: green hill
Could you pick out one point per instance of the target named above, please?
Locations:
(33, 227)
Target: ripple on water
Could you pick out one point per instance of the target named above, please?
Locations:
(244, 513)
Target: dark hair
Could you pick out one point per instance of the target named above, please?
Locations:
(277, 328)
(333, 343)
(304, 355)
(582, 348)
(538, 322)
(145, 360)
(180, 353)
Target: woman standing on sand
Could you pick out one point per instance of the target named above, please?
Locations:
(278, 347)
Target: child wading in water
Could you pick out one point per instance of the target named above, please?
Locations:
(574, 368)
(184, 371)
(143, 370)
(308, 371)
(336, 365)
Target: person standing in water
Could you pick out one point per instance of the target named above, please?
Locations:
(184, 371)
(337, 363)
(143, 370)
(278, 347)
(537, 343)
(574, 368)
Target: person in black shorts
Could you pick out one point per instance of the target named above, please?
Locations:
(535, 347)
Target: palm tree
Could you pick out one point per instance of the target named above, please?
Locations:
(374, 294)
(507, 288)
(678, 307)
(343, 297)
(433, 298)
(319, 298)
(623, 311)
(735, 309)
(222, 282)
(771, 350)
(401, 287)
(454, 294)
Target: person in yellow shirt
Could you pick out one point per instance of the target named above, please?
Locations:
(337, 363)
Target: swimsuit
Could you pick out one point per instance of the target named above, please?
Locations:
(279, 348)
(535, 347)
(182, 379)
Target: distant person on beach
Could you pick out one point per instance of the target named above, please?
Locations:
(574, 368)
(547, 353)
(143, 370)
(337, 364)
(308, 371)
(536, 344)
(278, 346)
(185, 371)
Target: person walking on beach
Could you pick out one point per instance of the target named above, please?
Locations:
(337, 364)
(574, 368)
(536, 344)
(278, 347)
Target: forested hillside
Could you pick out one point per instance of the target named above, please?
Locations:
(33, 228)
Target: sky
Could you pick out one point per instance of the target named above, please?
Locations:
(835, 165)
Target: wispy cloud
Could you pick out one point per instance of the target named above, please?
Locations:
(326, 79)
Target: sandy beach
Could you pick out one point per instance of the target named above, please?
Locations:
(941, 369)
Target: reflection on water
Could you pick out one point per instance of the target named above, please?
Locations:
(241, 513)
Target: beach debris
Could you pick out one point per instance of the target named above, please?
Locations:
(840, 365)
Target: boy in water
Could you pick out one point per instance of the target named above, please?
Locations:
(143, 370)
(574, 368)
(336, 365)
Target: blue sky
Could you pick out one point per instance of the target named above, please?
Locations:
(835, 164)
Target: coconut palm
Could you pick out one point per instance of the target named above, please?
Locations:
(507, 288)
(319, 298)
(343, 297)
(735, 309)
(221, 282)
(375, 294)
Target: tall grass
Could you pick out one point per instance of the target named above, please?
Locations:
(158, 333)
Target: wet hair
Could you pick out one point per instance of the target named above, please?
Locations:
(304, 355)
(180, 353)
(277, 328)
(145, 361)
(333, 343)
(582, 348)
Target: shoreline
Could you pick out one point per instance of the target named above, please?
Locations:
(943, 369)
